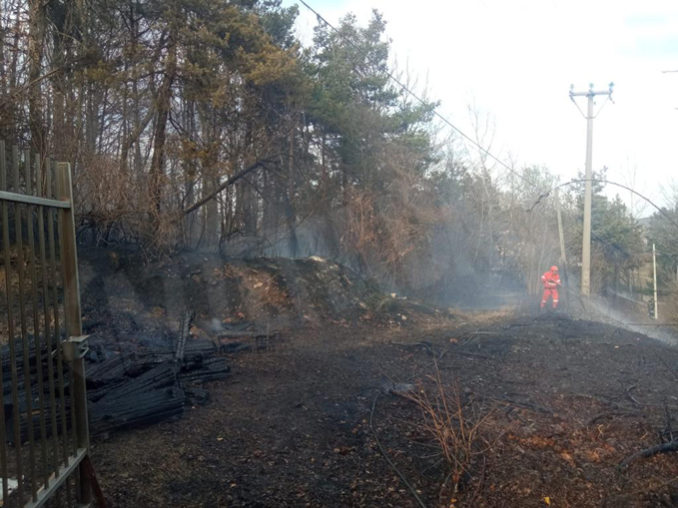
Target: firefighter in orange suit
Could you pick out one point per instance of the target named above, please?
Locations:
(551, 281)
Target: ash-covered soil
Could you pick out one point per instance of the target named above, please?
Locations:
(540, 408)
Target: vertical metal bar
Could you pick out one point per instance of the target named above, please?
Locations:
(59, 345)
(54, 318)
(46, 308)
(69, 260)
(57, 335)
(3, 430)
(61, 384)
(46, 319)
(16, 421)
(36, 321)
(21, 261)
(74, 419)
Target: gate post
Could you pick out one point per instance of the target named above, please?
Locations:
(74, 347)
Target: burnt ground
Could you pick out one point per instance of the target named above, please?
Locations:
(540, 408)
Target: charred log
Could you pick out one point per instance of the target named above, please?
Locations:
(650, 452)
(144, 408)
(211, 369)
(135, 385)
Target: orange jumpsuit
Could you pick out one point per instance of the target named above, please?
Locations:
(551, 281)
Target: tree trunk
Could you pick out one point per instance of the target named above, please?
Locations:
(163, 100)
(290, 211)
(37, 24)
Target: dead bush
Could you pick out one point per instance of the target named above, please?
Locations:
(455, 424)
(116, 207)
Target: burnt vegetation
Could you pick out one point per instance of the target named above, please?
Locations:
(291, 278)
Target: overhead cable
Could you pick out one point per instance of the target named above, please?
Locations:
(478, 145)
(423, 102)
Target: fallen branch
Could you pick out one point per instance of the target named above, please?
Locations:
(473, 355)
(96, 488)
(610, 414)
(525, 405)
(227, 183)
(631, 397)
(650, 452)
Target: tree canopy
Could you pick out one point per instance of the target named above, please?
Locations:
(198, 123)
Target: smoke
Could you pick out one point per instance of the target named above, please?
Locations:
(600, 309)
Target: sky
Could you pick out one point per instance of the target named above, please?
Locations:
(506, 66)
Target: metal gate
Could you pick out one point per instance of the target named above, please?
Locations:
(43, 417)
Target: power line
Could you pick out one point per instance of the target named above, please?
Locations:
(479, 146)
(605, 182)
(423, 102)
(657, 325)
(588, 181)
(483, 149)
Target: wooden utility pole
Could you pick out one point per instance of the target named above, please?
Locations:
(586, 237)
(561, 235)
(654, 270)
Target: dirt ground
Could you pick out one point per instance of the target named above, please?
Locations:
(312, 421)
(533, 410)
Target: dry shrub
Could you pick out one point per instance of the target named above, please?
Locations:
(116, 206)
(455, 426)
(362, 222)
(104, 196)
(162, 232)
(390, 231)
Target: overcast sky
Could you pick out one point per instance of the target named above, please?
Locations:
(512, 62)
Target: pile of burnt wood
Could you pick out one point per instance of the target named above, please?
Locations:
(152, 379)
(130, 383)
(132, 388)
